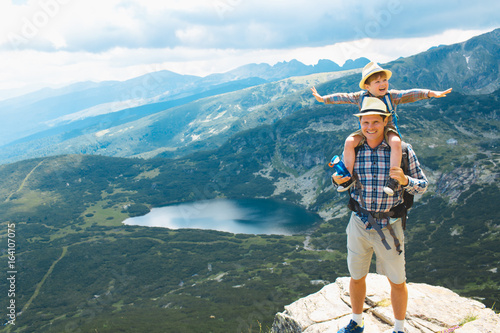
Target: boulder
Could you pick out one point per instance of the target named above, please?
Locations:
(430, 309)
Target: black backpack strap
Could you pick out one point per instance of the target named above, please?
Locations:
(407, 197)
(404, 159)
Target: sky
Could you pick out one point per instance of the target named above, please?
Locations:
(58, 42)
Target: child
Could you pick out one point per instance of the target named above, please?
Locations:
(375, 80)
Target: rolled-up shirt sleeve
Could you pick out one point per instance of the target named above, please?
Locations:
(344, 98)
(408, 96)
(417, 181)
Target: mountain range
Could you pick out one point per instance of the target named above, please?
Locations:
(82, 269)
(46, 122)
(171, 114)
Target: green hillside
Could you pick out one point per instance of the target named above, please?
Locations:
(77, 268)
(80, 268)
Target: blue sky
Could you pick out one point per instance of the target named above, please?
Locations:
(56, 42)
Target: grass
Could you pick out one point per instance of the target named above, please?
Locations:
(267, 329)
(40, 284)
(118, 305)
(280, 166)
(469, 318)
(31, 199)
(148, 174)
(97, 214)
(384, 303)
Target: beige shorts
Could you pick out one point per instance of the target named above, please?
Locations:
(361, 244)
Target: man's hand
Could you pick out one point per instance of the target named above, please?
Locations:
(339, 179)
(398, 174)
(318, 96)
(439, 94)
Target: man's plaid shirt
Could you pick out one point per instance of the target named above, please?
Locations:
(372, 167)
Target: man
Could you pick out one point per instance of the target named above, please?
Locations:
(373, 223)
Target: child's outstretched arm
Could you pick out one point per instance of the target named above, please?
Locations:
(339, 98)
(439, 94)
(319, 98)
(413, 95)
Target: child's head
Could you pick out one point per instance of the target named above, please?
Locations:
(375, 79)
(375, 76)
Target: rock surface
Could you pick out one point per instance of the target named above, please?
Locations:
(430, 309)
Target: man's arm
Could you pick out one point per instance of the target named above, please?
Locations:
(417, 181)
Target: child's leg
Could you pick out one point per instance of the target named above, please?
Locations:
(396, 149)
(396, 154)
(349, 153)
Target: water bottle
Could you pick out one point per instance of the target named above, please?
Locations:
(339, 166)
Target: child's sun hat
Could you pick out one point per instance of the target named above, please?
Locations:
(372, 68)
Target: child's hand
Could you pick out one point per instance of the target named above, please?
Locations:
(338, 179)
(398, 174)
(439, 94)
(318, 96)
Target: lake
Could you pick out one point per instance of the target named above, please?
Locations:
(246, 216)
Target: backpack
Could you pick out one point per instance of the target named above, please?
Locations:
(402, 209)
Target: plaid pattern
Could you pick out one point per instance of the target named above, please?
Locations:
(408, 96)
(397, 97)
(372, 167)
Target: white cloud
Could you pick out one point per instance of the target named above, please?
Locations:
(194, 35)
(96, 26)
(57, 41)
(122, 63)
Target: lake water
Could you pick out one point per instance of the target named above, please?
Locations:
(246, 216)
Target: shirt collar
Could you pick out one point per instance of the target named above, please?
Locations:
(383, 144)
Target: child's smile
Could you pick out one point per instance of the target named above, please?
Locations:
(378, 87)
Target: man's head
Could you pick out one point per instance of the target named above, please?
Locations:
(375, 79)
(373, 117)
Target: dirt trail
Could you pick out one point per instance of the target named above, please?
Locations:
(24, 181)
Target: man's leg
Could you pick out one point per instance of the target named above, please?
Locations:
(399, 300)
(392, 264)
(357, 291)
(359, 255)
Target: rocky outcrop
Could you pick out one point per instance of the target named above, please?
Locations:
(430, 309)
